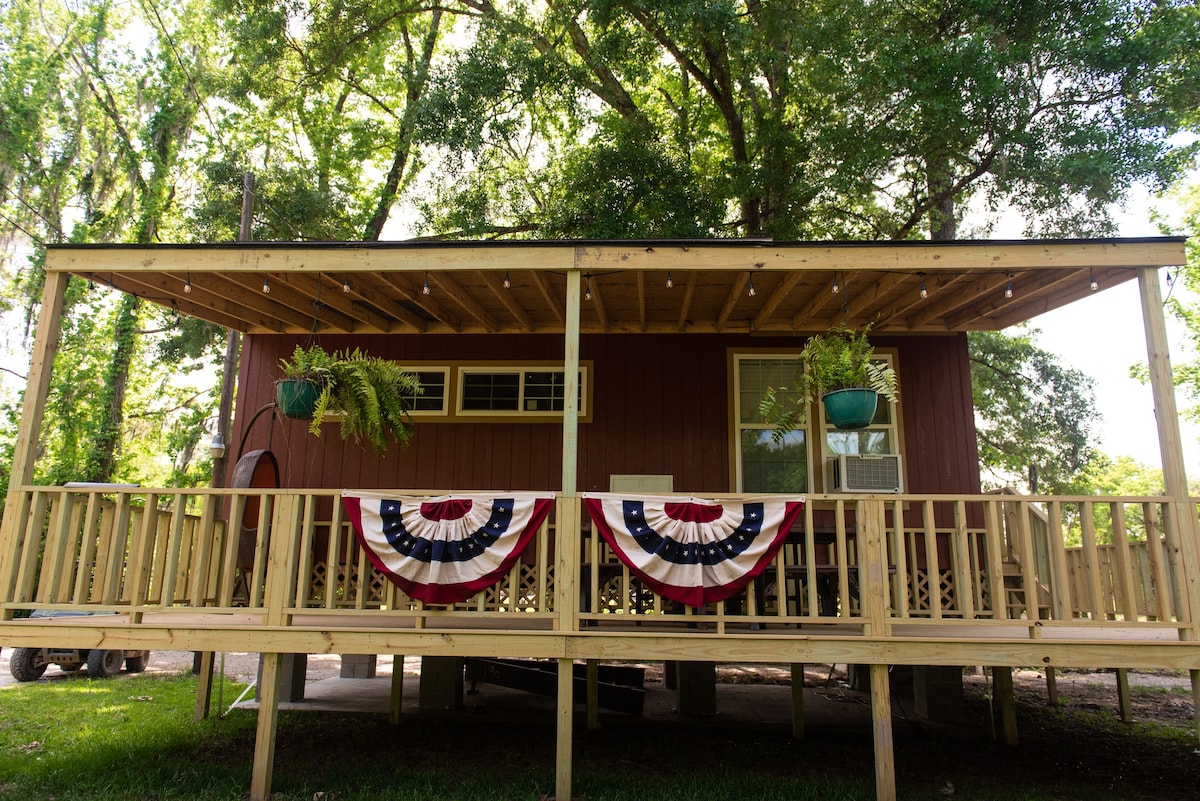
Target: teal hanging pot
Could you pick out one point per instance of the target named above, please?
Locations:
(849, 409)
(297, 398)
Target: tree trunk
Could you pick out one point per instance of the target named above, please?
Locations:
(102, 458)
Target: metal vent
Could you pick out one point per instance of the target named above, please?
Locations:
(863, 473)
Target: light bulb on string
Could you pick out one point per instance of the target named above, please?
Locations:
(507, 281)
(587, 288)
(346, 285)
(187, 285)
(266, 285)
(836, 286)
(1008, 287)
(1092, 284)
(425, 288)
(923, 292)
(750, 290)
(670, 281)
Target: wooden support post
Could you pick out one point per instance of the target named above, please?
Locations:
(1051, 686)
(268, 719)
(204, 686)
(1002, 691)
(697, 688)
(1124, 703)
(566, 709)
(1196, 693)
(881, 718)
(797, 700)
(593, 694)
(396, 701)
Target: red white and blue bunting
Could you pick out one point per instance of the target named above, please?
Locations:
(444, 549)
(692, 550)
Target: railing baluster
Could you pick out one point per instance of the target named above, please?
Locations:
(1163, 594)
(993, 542)
(964, 582)
(1126, 599)
(303, 577)
(229, 569)
(900, 586)
(56, 547)
(933, 568)
(842, 560)
(810, 557)
(1060, 581)
(1092, 559)
(170, 565)
(205, 545)
(86, 572)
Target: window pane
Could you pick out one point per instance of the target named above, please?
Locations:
(433, 392)
(544, 392)
(866, 440)
(755, 375)
(768, 466)
(491, 392)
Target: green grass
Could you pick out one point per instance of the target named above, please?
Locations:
(133, 739)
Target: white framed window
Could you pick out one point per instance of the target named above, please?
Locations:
(761, 464)
(517, 390)
(434, 400)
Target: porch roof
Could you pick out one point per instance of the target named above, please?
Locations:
(793, 283)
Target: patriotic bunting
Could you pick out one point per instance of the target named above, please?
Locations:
(444, 549)
(691, 550)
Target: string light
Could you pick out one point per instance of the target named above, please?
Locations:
(425, 289)
(1008, 286)
(1092, 275)
(836, 286)
(670, 281)
(266, 285)
(587, 287)
(187, 285)
(507, 281)
(751, 291)
(346, 285)
(923, 292)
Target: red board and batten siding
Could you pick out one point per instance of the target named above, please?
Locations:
(660, 404)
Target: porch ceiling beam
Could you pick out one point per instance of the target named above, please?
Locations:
(446, 283)
(936, 287)
(369, 289)
(685, 308)
(965, 291)
(1107, 279)
(332, 295)
(592, 284)
(641, 299)
(817, 307)
(775, 298)
(1027, 288)
(399, 283)
(205, 304)
(506, 298)
(289, 302)
(887, 288)
(554, 303)
(741, 279)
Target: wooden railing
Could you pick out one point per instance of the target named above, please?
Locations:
(867, 561)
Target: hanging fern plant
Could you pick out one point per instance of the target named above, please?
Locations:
(370, 396)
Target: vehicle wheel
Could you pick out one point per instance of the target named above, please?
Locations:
(27, 664)
(137, 664)
(102, 664)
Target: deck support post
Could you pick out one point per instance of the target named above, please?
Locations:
(565, 746)
(1124, 703)
(204, 682)
(1003, 693)
(396, 697)
(881, 719)
(593, 694)
(1051, 686)
(268, 719)
(1196, 694)
(797, 701)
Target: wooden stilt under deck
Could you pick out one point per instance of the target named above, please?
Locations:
(1002, 692)
(1124, 702)
(798, 700)
(566, 709)
(268, 719)
(396, 698)
(881, 719)
(204, 685)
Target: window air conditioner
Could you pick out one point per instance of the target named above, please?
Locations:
(863, 473)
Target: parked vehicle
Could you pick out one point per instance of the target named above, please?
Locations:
(29, 664)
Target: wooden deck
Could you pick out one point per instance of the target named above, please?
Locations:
(870, 580)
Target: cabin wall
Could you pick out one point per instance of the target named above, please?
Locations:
(660, 404)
